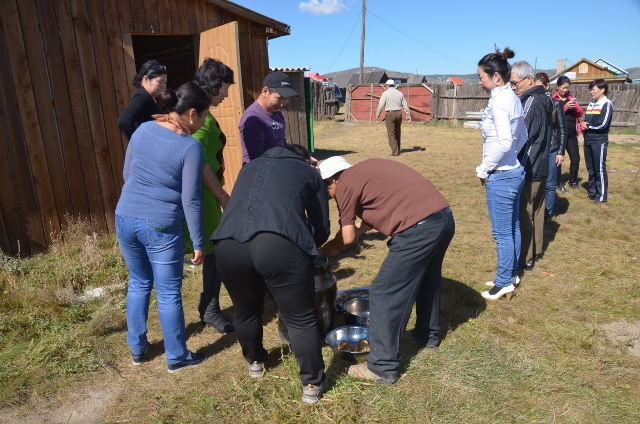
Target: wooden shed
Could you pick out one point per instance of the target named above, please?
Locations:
(584, 71)
(65, 74)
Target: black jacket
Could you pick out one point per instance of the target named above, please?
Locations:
(278, 193)
(534, 155)
(138, 111)
(559, 136)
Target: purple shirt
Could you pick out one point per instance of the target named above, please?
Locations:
(260, 131)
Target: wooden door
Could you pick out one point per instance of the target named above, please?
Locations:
(222, 43)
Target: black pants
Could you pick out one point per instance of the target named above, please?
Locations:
(209, 306)
(287, 271)
(595, 157)
(574, 156)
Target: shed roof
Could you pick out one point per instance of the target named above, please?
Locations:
(455, 80)
(375, 77)
(278, 28)
(614, 74)
(611, 66)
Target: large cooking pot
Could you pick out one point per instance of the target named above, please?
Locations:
(357, 311)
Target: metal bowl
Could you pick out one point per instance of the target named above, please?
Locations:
(357, 311)
(351, 334)
(343, 296)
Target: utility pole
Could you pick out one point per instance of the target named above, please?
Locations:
(364, 14)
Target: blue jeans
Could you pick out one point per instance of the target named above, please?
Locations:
(154, 255)
(411, 272)
(503, 202)
(550, 188)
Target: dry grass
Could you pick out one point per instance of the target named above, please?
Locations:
(542, 357)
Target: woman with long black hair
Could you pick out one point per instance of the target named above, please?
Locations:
(150, 81)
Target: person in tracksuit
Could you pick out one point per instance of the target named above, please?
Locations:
(596, 139)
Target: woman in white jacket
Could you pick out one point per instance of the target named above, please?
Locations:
(500, 172)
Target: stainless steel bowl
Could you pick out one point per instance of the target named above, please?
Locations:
(357, 311)
(351, 334)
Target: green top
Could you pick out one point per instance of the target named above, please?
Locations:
(212, 141)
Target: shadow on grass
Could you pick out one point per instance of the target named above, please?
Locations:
(413, 149)
(322, 154)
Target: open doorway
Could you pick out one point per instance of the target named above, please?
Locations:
(177, 52)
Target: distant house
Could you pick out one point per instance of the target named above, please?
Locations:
(584, 71)
(374, 77)
(455, 80)
(316, 76)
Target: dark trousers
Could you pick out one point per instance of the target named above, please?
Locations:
(574, 156)
(209, 306)
(271, 260)
(393, 120)
(595, 157)
(411, 272)
(532, 220)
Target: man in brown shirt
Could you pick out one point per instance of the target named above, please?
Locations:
(398, 202)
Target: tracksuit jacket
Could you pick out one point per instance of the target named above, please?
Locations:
(534, 155)
(598, 116)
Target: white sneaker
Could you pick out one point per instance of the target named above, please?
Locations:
(514, 280)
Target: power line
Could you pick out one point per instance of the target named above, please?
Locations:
(422, 44)
(345, 43)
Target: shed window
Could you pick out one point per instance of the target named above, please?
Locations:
(583, 68)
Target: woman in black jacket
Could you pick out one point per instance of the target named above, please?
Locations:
(270, 231)
(150, 81)
(556, 149)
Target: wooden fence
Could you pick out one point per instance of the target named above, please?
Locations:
(453, 102)
(323, 102)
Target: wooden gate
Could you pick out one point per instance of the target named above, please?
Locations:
(362, 102)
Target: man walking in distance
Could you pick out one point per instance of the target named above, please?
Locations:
(392, 101)
(534, 156)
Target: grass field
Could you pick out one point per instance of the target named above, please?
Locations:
(565, 349)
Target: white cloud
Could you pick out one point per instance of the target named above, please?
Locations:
(322, 7)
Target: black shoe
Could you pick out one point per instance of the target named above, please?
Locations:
(196, 359)
(591, 198)
(529, 265)
(547, 219)
(598, 202)
(573, 184)
(221, 324)
(561, 188)
(139, 359)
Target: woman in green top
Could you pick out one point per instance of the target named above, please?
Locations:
(214, 77)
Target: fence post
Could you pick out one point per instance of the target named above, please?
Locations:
(638, 122)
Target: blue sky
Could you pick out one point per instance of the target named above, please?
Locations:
(442, 37)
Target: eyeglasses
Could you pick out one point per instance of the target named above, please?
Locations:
(514, 85)
(161, 68)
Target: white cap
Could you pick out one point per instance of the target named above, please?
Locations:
(390, 82)
(330, 167)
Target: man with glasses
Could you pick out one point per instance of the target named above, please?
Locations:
(534, 156)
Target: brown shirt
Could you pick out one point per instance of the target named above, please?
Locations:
(386, 195)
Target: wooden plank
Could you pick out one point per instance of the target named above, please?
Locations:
(176, 10)
(201, 15)
(151, 14)
(191, 22)
(164, 17)
(80, 119)
(13, 234)
(94, 104)
(22, 81)
(212, 16)
(129, 62)
(138, 16)
(282, 28)
(72, 172)
(118, 65)
(40, 85)
(126, 27)
(107, 96)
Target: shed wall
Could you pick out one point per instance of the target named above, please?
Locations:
(65, 72)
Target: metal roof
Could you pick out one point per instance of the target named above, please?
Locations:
(376, 77)
(289, 69)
